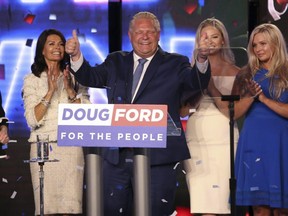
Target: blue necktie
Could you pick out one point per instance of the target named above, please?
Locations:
(137, 74)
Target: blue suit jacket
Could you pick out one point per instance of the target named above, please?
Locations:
(166, 78)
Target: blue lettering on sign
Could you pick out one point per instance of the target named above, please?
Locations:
(80, 114)
(89, 114)
(67, 114)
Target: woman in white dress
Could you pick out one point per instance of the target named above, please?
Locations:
(49, 84)
(207, 131)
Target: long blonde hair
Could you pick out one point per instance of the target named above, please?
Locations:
(226, 53)
(277, 73)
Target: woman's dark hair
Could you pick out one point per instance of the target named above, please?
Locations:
(39, 64)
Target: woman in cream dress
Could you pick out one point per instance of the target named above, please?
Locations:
(48, 85)
(207, 131)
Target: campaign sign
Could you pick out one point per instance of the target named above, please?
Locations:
(112, 125)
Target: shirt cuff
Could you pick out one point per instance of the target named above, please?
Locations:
(202, 67)
(75, 65)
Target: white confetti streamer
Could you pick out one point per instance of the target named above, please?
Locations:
(164, 201)
(13, 195)
(174, 213)
(176, 165)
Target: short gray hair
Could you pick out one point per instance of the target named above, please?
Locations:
(147, 15)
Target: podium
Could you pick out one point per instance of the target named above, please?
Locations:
(142, 173)
(41, 158)
(161, 120)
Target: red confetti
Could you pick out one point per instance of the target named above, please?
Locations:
(282, 2)
(29, 18)
(190, 8)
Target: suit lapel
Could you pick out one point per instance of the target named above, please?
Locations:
(150, 72)
(129, 63)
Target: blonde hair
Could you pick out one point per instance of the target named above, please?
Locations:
(145, 15)
(226, 53)
(279, 65)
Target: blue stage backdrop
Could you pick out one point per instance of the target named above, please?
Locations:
(23, 20)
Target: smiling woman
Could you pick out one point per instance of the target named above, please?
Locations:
(54, 49)
(48, 85)
(207, 172)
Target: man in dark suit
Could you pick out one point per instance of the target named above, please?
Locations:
(165, 76)
(4, 138)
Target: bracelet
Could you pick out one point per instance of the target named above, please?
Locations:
(72, 100)
(76, 97)
(45, 102)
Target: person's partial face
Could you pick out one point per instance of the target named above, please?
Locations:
(144, 37)
(262, 49)
(214, 38)
(53, 49)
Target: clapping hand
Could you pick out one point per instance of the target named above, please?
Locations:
(52, 78)
(67, 79)
(254, 88)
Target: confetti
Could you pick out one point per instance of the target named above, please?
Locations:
(257, 160)
(164, 201)
(129, 160)
(13, 195)
(176, 165)
(29, 18)
(174, 213)
(29, 42)
(254, 188)
(37, 188)
(93, 30)
(2, 71)
(52, 17)
(80, 168)
(4, 180)
(190, 8)
(246, 165)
